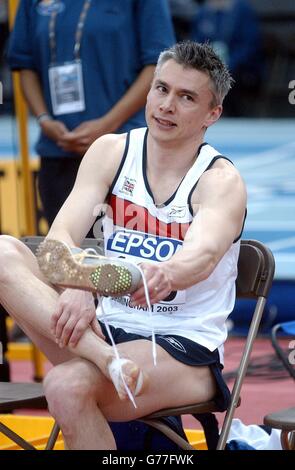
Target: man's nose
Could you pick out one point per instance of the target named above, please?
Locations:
(168, 104)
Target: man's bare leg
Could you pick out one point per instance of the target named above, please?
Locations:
(71, 390)
(31, 302)
(89, 401)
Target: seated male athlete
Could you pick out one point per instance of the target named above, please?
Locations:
(176, 207)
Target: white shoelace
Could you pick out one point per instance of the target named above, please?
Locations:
(92, 253)
(87, 253)
(116, 352)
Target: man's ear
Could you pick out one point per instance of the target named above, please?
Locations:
(213, 115)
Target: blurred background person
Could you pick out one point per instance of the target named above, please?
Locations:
(86, 67)
(182, 12)
(4, 70)
(231, 26)
(4, 366)
(3, 26)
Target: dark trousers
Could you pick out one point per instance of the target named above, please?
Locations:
(55, 181)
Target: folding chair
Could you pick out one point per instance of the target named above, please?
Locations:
(23, 395)
(289, 329)
(255, 274)
(283, 419)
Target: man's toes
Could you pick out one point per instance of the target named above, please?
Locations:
(133, 377)
(123, 395)
(134, 372)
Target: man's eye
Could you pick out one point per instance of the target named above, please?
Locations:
(161, 89)
(188, 97)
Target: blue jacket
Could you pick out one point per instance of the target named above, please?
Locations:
(119, 39)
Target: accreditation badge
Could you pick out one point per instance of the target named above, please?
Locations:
(47, 7)
(66, 88)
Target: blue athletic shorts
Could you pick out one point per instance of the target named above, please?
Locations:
(185, 351)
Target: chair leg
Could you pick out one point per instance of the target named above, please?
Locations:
(160, 426)
(288, 440)
(53, 436)
(15, 437)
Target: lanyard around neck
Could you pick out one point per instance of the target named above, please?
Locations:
(78, 34)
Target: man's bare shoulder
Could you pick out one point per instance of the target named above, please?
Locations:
(223, 173)
(104, 156)
(111, 145)
(223, 180)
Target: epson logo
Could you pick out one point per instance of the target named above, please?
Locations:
(141, 245)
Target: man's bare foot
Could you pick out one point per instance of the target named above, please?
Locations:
(125, 370)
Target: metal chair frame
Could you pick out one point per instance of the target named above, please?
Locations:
(279, 350)
(283, 419)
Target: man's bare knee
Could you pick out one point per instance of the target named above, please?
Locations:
(12, 254)
(68, 391)
(10, 245)
(9, 254)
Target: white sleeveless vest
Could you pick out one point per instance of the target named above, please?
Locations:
(139, 231)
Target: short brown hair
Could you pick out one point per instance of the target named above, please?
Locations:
(201, 57)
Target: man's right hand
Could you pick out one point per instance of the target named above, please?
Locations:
(75, 312)
(53, 129)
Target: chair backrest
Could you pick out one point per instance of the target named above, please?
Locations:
(33, 242)
(255, 270)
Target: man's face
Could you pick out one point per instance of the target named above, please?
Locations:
(179, 103)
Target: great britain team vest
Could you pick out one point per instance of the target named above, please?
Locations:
(139, 231)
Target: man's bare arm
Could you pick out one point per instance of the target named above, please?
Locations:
(32, 90)
(221, 201)
(94, 178)
(221, 197)
(75, 310)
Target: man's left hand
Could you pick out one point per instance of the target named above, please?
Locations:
(75, 312)
(158, 283)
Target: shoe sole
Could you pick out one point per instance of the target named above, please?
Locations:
(108, 278)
